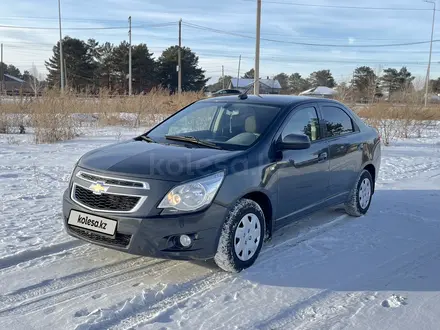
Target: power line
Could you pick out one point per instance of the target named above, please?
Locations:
(227, 57)
(342, 7)
(303, 36)
(172, 38)
(172, 24)
(311, 60)
(230, 58)
(86, 28)
(191, 25)
(199, 27)
(45, 46)
(56, 18)
(54, 28)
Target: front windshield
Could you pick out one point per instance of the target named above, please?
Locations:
(228, 125)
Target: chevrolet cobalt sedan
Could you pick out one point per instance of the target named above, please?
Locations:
(219, 177)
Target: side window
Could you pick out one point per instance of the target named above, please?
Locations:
(337, 121)
(304, 121)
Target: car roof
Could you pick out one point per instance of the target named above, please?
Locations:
(272, 99)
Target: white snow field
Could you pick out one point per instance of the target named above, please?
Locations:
(328, 271)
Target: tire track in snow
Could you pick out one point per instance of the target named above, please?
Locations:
(24, 256)
(311, 232)
(392, 170)
(51, 293)
(303, 307)
(145, 311)
(50, 285)
(317, 310)
(150, 304)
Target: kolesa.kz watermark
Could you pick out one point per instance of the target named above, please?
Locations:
(90, 222)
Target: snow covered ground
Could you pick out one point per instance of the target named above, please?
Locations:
(328, 271)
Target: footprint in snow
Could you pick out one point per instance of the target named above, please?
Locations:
(97, 296)
(394, 301)
(81, 312)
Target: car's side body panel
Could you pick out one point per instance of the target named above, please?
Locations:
(347, 156)
(302, 175)
(289, 178)
(349, 153)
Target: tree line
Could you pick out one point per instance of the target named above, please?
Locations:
(294, 83)
(90, 65)
(365, 83)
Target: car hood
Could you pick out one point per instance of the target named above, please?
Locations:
(157, 161)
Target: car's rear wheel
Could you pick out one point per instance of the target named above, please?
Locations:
(242, 237)
(360, 196)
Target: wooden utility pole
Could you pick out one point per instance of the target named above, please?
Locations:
(238, 75)
(223, 76)
(65, 73)
(61, 48)
(257, 51)
(129, 58)
(1, 72)
(430, 54)
(179, 60)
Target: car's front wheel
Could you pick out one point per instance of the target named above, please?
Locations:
(360, 196)
(242, 236)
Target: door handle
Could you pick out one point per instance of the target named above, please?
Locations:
(322, 157)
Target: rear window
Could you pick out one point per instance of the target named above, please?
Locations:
(337, 121)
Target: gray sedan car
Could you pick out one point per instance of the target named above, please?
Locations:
(219, 177)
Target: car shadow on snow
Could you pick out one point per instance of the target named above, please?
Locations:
(396, 246)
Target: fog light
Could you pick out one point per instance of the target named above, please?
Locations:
(185, 240)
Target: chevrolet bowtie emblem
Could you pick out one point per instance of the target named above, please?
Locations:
(98, 188)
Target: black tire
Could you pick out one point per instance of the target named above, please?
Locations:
(226, 257)
(355, 206)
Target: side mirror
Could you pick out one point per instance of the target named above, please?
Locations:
(295, 142)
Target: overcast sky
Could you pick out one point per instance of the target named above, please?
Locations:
(283, 21)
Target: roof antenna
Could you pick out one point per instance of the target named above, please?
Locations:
(244, 96)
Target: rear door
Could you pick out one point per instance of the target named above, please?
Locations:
(345, 147)
(303, 175)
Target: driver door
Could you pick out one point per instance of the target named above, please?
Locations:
(303, 175)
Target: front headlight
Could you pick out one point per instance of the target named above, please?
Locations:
(192, 195)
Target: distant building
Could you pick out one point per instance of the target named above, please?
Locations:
(15, 86)
(267, 86)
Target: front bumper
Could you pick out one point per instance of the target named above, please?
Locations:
(155, 236)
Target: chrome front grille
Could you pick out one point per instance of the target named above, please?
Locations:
(108, 194)
(106, 202)
(111, 181)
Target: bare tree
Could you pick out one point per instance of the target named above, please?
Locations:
(35, 80)
(345, 93)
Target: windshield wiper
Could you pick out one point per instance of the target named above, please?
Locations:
(192, 139)
(147, 138)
